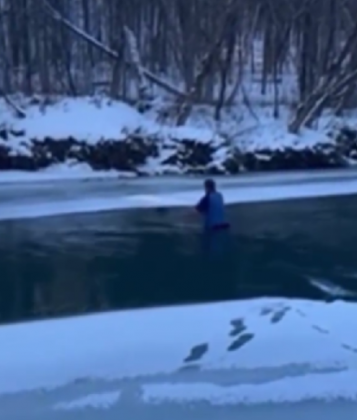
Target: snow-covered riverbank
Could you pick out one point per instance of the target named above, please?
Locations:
(139, 359)
(87, 137)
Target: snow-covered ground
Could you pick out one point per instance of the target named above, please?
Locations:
(87, 119)
(254, 352)
(92, 120)
(49, 199)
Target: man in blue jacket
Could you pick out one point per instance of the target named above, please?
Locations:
(211, 207)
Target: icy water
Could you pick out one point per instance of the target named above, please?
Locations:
(87, 262)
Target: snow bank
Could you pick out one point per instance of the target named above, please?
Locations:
(90, 120)
(81, 118)
(184, 353)
(109, 135)
(326, 387)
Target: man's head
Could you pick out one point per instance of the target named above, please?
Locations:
(209, 186)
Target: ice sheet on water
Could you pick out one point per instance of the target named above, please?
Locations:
(182, 199)
(329, 288)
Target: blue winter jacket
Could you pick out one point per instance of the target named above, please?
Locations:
(211, 206)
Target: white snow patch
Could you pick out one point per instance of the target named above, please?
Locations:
(269, 133)
(273, 136)
(103, 400)
(146, 342)
(80, 118)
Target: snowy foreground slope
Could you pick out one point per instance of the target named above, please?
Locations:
(238, 354)
(110, 137)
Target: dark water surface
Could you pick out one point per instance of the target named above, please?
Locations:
(78, 263)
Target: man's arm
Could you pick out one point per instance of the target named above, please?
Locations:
(202, 205)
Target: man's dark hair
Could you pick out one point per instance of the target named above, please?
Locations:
(210, 185)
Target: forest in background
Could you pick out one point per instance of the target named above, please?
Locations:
(186, 51)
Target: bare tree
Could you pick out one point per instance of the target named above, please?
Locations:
(197, 51)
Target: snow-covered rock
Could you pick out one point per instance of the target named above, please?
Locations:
(110, 135)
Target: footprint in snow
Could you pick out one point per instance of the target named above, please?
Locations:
(196, 353)
(241, 341)
(238, 326)
(349, 348)
(276, 314)
(266, 311)
(319, 329)
(279, 315)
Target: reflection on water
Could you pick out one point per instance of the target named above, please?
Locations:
(79, 263)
